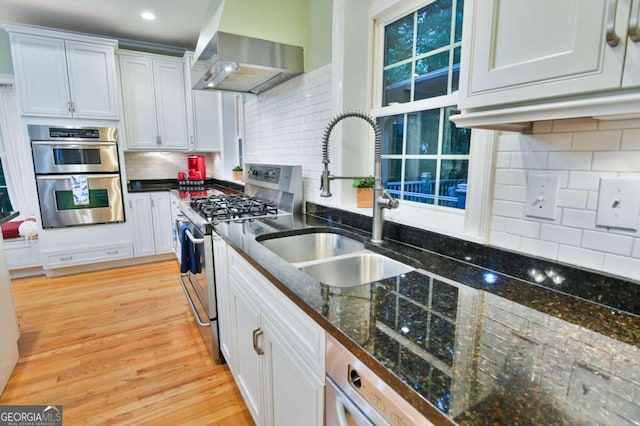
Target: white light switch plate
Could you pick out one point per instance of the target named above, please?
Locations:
(618, 203)
(542, 196)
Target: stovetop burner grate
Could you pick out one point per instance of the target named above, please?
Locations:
(227, 207)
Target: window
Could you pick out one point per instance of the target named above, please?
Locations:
(5, 203)
(425, 157)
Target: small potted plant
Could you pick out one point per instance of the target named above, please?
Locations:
(364, 192)
(237, 172)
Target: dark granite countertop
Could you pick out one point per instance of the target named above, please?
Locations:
(467, 344)
(152, 185)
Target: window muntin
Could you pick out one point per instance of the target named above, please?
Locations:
(425, 157)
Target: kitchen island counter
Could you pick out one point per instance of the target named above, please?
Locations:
(466, 344)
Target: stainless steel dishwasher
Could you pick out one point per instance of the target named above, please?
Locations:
(355, 395)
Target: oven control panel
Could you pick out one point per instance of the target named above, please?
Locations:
(265, 173)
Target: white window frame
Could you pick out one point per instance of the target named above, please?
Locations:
(472, 222)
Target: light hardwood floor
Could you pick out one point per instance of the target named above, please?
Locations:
(118, 347)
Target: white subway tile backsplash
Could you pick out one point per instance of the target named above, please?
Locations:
(569, 160)
(551, 142)
(508, 208)
(501, 192)
(592, 200)
(524, 228)
(586, 180)
(581, 257)
(619, 124)
(542, 126)
(539, 248)
(623, 266)
(585, 219)
(514, 142)
(604, 140)
(631, 139)
(617, 161)
(505, 240)
(511, 177)
(503, 160)
(561, 234)
(572, 198)
(575, 125)
(517, 193)
(529, 160)
(498, 223)
(610, 243)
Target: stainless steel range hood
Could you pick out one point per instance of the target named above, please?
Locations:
(245, 64)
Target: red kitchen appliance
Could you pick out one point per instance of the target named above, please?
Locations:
(196, 166)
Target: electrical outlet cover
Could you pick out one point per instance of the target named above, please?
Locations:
(542, 195)
(618, 203)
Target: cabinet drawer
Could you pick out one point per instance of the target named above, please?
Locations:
(61, 259)
(22, 253)
(294, 324)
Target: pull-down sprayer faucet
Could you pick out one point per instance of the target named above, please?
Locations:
(381, 198)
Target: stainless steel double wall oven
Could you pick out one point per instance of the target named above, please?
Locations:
(77, 175)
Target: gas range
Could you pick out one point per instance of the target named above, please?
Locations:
(227, 207)
(269, 190)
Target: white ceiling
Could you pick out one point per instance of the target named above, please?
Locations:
(177, 21)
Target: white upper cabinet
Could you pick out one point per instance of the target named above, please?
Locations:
(518, 52)
(154, 102)
(204, 114)
(59, 77)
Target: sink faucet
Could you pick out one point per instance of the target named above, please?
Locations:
(381, 197)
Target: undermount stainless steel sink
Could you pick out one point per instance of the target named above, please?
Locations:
(311, 246)
(356, 269)
(333, 259)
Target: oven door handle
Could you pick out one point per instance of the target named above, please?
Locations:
(69, 144)
(88, 175)
(193, 239)
(191, 304)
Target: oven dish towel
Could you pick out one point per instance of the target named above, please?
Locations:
(80, 190)
(190, 256)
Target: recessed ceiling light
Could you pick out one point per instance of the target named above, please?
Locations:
(148, 16)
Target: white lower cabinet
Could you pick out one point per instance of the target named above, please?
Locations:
(152, 225)
(277, 351)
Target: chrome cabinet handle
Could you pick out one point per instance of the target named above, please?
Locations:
(158, 140)
(612, 38)
(634, 22)
(256, 334)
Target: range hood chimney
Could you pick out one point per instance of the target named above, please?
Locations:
(240, 62)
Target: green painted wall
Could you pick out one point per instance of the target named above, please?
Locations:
(300, 23)
(5, 54)
(319, 35)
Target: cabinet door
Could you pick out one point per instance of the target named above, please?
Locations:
(246, 330)
(92, 80)
(221, 272)
(142, 224)
(631, 76)
(293, 394)
(138, 98)
(162, 222)
(170, 105)
(41, 74)
(207, 120)
(523, 50)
